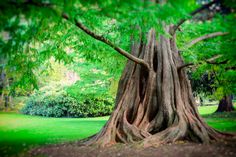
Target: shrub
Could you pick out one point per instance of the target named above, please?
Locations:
(61, 104)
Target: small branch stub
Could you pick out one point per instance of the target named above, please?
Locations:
(208, 61)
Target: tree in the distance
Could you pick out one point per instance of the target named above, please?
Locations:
(225, 104)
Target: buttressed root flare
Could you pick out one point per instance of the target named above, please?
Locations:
(155, 106)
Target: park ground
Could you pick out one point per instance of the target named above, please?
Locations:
(21, 134)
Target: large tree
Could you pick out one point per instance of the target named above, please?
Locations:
(154, 102)
(225, 104)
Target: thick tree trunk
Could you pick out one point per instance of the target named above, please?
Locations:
(154, 106)
(225, 104)
(2, 84)
(5, 98)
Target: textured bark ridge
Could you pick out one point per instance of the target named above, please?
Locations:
(154, 106)
(226, 104)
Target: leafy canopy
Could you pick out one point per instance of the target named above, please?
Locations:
(32, 33)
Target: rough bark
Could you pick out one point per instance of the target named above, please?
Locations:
(5, 98)
(155, 106)
(225, 104)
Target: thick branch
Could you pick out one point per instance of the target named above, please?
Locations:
(93, 34)
(209, 61)
(112, 45)
(108, 42)
(192, 14)
(204, 37)
(212, 60)
(231, 68)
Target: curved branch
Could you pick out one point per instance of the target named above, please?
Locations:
(212, 60)
(181, 21)
(108, 42)
(230, 68)
(204, 37)
(91, 33)
(208, 61)
(112, 45)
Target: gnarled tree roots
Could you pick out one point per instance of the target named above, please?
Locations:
(155, 106)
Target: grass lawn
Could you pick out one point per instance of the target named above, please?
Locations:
(21, 132)
(220, 121)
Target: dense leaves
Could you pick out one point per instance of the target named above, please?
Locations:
(220, 72)
(32, 39)
(62, 105)
(33, 33)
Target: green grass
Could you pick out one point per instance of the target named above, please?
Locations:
(205, 110)
(19, 133)
(221, 121)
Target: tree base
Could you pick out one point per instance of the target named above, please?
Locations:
(155, 106)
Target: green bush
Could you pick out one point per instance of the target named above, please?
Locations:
(89, 96)
(63, 105)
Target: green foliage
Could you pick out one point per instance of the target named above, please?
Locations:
(34, 39)
(77, 90)
(92, 79)
(224, 74)
(62, 105)
(28, 39)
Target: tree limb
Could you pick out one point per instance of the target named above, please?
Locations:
(230, 68)
(181, 21)
(204, 37)
(112, 45)
(212, 60)
(108, 42)
(208, 61)
(89, 32)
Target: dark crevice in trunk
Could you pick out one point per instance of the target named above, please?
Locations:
(143, 82)
(155, 60)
